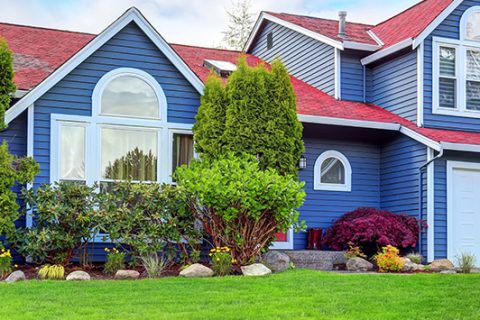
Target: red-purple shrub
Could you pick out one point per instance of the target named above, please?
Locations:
(372, 229)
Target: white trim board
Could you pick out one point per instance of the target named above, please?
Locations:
(338, 73)
(131, 15)
(420, 79)
(430, 205)
(387, 51)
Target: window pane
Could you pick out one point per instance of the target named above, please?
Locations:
(448, 88)
(332, 171)
(473, 27)
(473, 95)
(130, 96)
(72, 152)
(473, 65)
(182, 150)
(129, 154)
(447, 61)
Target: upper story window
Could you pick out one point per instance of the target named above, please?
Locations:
(456, 69)
(332, 172)
(270, 40)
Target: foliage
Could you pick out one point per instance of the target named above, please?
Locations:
(51, 272)
(466, 262)
(5, 262)
(221, 260)
(240, 26)
(64, 221)
(7, 86)
(147, 218)
(415, 257)
(154, 264)
(12, 170)
(254, 113)
(354, 251)
(115, 261)
(389, 260)
(239, 205)
(135, 165)
(371, 229)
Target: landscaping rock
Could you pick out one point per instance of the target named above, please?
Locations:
(359, 265)
(196, 270)
(448, 272)
(443, 264)
(276, 261)
(317, 260)
(410, 266)
(127, 275)
(255, 270)
(78, 275)
(16, 276)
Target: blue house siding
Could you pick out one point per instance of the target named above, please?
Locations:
(393, 85)
(73, 94)
(352, 76)
(449, 28)
(321, 208)
(305, 58)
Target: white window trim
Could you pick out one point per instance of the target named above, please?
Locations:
(284, 245)
(318, 185)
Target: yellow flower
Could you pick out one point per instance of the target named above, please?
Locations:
(16, 265)
(106, 250)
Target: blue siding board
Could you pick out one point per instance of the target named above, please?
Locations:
(305, 58)
(352, 76)
(449, 28)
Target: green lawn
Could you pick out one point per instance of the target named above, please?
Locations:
(297, 294)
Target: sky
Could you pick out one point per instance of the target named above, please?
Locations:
(194, 22)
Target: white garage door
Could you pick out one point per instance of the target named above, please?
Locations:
(464, 212)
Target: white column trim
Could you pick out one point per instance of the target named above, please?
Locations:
(430, 206)
(338, 74)
(420, 76)
(30, 142)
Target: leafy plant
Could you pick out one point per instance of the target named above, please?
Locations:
(221, 260)
(51, 272)
(13, 170)
(64, 222)
(239, 205)
(254, 113)
(115, 261)
(389, 260)
(148, 218)
(354, 251)
(371, 229)
(466, 262)
(7, 86)
(415, 257)
(154, 264)
(5, 262)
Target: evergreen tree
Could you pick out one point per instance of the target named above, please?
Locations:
(7, 87)
(241, 23)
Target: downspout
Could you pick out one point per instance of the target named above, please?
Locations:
(420, 200)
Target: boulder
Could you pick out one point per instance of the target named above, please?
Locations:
(409, 266)
(358, 264)
(255, 270)
(16, 276)
(127, 275)
(196, 270)
(78, 275)
(443, 264)
(448, 272)
(276, 261)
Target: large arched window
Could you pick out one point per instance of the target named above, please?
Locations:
(332, 172)
(470, 24)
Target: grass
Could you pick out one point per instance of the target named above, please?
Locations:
(296, 294)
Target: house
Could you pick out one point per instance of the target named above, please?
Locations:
(391, 112)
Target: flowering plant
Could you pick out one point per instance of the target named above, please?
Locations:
(115, 261)
(354, 251)
(5, 262)
(222, 260)
(389, 260)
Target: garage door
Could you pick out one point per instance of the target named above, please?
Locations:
(465, 212)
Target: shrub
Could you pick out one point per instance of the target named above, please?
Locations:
(5, 262)
(7, 86)
(115, 261)
(389, 260)
(64, 221)
(415, 257)
(239, 205)
(354, 251)
(466, 262)
(51, 272)
(147, 219)
(154, 264)
(221, 261)
(371, 229)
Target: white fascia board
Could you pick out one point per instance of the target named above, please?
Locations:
(377, 39)
(435, 23)
(254, 32)
(349, 122)
(386, 52)
(421, 138)
(360, 46)
(20, 93)
(130, 15)
(460, 147)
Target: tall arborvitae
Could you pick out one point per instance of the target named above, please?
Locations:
(7, 87)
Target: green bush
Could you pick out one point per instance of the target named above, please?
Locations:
(115, 261)
(466, 262)
(5, 262)
(7, 86)
(64, 221)
(146, 219)
(239, 205)
(222, 260)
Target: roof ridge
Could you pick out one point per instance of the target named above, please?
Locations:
(203, 47)
(46, 28)
(319, 18)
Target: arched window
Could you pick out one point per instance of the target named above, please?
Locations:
(470, 24)
(332, 172)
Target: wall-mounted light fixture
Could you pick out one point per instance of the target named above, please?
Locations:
(302, 164)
